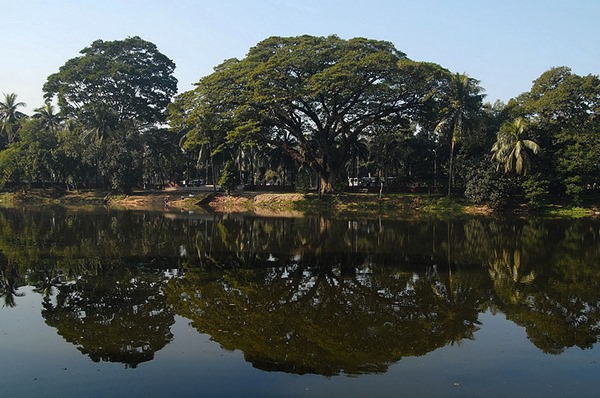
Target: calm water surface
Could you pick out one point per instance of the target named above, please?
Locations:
(111, 303)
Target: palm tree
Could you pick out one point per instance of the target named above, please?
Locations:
(459, 116)
(99, 123)
(10, 115)
(9, 285)
(511, 147)
(507, 275)
(50, 119)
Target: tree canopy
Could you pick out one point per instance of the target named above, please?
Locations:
(312, 97)
(564, 111)
(130, 78)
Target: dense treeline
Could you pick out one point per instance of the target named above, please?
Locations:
(307, 112)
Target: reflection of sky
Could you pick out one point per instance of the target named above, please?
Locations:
(501, 361)
(33, 356)
(23, 331)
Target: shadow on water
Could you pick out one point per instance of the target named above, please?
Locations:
(309, 295)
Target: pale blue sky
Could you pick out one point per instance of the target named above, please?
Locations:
(504, 43)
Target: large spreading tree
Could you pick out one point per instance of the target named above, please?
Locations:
(311, 97)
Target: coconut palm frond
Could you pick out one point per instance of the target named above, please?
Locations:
(511, 147)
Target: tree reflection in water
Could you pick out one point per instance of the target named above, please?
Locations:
(343, 315)
(308, 295)
(10, 280)
(118, 314)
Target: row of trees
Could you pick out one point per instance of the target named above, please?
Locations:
(304, 111)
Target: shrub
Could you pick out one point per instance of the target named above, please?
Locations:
(535, 189)
(484, 185)
(229, 179)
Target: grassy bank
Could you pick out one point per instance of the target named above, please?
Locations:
(281, 204)
(395, 205)
(370, 205)
(52, 197)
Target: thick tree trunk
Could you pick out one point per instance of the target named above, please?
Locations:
(327, 182)
(326, 186)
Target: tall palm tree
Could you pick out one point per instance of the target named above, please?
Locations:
(464, 101)
(10, 115)
(50, 119)
(511, 147)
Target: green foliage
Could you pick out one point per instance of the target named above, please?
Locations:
(579, 163)
(30, 159)
(115, 95)
(74, 161)
(335, 107)
(122, 162)
(569, 212)
(161, 155)
(535, 189)
(50, 120)
(463, 100)
(10, 117)
(312, 97)
(564, 108)
(574, 188)
(484, 185)
(10, 165)
(511, 149)
(130, 77)
(229, 179)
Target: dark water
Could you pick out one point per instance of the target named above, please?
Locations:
(138, 304)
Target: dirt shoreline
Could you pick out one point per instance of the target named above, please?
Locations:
(190, 198)
(156, 200)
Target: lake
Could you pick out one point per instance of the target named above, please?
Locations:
(115, 303)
